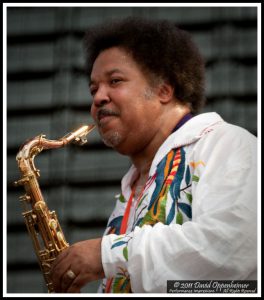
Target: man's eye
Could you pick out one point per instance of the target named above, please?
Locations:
(115, 80)
(92, 91)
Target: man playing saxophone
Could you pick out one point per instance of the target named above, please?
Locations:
(188, 204)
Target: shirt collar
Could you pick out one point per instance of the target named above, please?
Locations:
(187, 134)
(186, 118)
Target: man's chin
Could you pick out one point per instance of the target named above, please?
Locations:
(112, 139)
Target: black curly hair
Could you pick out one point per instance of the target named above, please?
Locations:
(160, 48)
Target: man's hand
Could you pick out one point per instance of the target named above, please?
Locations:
(84, 260)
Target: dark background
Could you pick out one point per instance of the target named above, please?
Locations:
(47, 93)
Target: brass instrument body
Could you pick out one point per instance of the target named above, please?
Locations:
(42, 224)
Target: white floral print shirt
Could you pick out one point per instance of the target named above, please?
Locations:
(197, 216)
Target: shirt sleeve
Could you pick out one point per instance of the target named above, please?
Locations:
(114, 258)
(220, 242)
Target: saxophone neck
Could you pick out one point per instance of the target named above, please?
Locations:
(34, 146)
(31, 148)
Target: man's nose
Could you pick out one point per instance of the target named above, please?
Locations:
(101, 97)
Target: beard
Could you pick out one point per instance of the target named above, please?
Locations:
(111, 139)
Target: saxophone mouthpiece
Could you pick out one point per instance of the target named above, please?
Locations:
(78, 136)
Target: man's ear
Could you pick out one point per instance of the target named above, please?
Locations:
(165, 92)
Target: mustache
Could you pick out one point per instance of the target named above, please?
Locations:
(105, 112)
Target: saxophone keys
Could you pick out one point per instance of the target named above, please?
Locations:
(62, 241)
(34, 218)
(25, 197)
(21, 181)
(53, 224)
(60, 236)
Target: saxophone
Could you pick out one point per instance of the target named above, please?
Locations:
(42, 224)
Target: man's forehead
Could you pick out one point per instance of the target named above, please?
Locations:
(112, 60)
(107, 73)
(120, 52)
